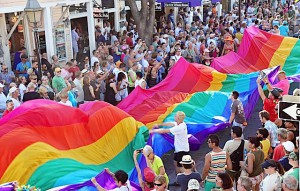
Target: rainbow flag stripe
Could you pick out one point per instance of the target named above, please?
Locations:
(260, 50)
(53, 145)
(184, 79)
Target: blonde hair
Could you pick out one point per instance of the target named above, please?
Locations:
(43, 90)
(161, 179)
(63, 94)
(180, 115)
(31, 86)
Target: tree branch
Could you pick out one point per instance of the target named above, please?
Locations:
(134, 9)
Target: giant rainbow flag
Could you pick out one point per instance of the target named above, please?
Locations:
(47, 144)
(260, 50)
(184, 80)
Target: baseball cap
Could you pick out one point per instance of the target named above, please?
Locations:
(276, 92)
(12, 90)
(186, 159)
(293, 156)
(149, 175)
(84, 71)
(193, 185)
(1, 85)
(100, 72)
(268, 163)
(288, 146)
(57, 70)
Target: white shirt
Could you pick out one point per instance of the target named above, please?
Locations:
(2, 101)
(17, 103)
(22, 89)
(124, 188)
(116, 72)
(271, 182)
(68, 103)
(177, 30)
(79, 88)
(181, 141)
(93, 60)
(139, 82)
(176, 58)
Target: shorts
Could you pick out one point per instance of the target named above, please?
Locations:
(257, 179)
(178, 157)
(75, 49)
(118, 97)
(209, 185)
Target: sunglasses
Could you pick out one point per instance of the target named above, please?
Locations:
(58, 72)
(155, 184)
(34, 79)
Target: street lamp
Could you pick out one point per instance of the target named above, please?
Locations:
(33, 11)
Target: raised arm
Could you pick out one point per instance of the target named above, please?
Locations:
(140, 177)
(260, 90)
(266, 81)
(99, 188)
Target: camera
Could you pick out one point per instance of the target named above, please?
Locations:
(139, 150)
(262, 75)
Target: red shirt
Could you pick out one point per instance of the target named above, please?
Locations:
(129, 41)
(278, 152)
(73, 70)
(5, 112)
(269, 106)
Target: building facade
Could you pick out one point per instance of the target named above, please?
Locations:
(55, 38)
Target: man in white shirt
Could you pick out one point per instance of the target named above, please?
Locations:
(94, 58)
(180, 132)
(14, 94)
(233, 145)
(178, 29)
(177, 55)
(121, 179)
(2, 100)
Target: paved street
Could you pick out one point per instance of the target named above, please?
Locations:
(224, 135)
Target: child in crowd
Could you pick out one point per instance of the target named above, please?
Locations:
(64, 98)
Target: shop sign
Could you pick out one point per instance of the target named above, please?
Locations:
(176, 4)
(102, 15)
(157, 6)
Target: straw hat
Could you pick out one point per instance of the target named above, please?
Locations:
(228, 38)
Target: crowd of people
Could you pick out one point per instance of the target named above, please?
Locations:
(123, 61)
(267, 161)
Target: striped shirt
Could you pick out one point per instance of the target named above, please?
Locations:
(217, 164)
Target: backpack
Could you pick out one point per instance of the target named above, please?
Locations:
(237, 156)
